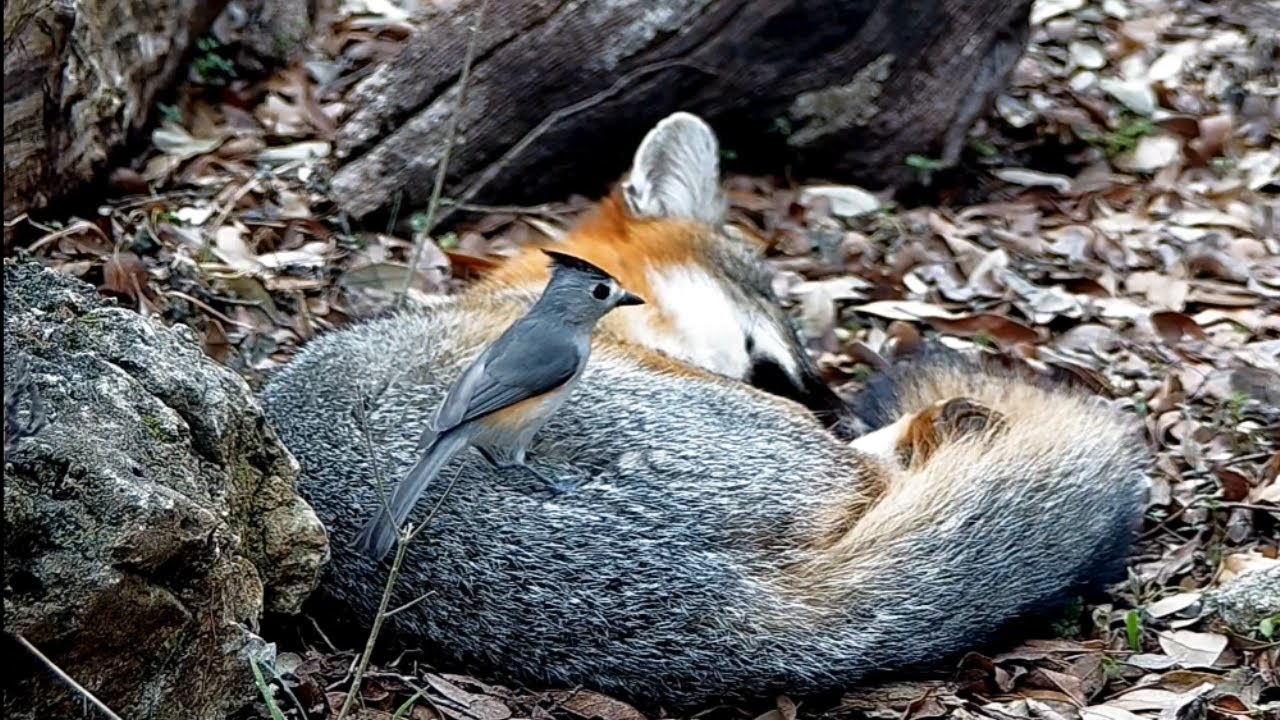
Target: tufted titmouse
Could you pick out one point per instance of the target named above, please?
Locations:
(503, 398)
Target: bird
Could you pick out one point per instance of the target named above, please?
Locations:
(509, 391)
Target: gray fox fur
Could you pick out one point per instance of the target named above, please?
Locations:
(720, 543)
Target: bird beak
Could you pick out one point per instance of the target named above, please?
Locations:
(630, 299)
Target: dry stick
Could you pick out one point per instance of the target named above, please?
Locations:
(410, 604)
(406, 537)
(549, 121)
(67, 678)
(373, 457)
(547, 210)
(450, 138)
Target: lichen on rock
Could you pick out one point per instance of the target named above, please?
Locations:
(150, 521)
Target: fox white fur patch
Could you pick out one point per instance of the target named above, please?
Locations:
(710, 326)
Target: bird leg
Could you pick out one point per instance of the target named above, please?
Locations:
(503, 461)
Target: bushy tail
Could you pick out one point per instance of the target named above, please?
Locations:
(379, 536)
(994, 525)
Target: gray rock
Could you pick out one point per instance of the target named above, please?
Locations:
(149, 522)
(1247, 600)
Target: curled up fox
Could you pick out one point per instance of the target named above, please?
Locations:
(721, 539)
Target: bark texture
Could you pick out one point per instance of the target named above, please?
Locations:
(843, 88)
(80, 78)
(149, 512)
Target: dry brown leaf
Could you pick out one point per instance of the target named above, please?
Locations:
(1193, 649)
(1046, 679)
(1152, 662)
(464, 705)
(1005, 332)
(1243, 563)
(587, 704)
(1187, 705)
(1174, 326)
(125, 274)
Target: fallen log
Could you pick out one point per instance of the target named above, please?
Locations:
(836, 88)
(80, 80)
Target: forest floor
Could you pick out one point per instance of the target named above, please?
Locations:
(1115, 220)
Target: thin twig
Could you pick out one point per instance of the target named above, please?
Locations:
(1254, 506)
(62, 675)
(206, 307)
(550, 121)
(546, 210)
(225, 211)
(378, 479)
(1164, 523)
(411, 604)
(406, 537)
(320, 631)
(450, 138)
(71, 229)
(351, 670)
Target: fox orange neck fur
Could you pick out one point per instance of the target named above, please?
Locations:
(608, 237)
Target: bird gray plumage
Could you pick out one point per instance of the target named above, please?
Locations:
(535, 361)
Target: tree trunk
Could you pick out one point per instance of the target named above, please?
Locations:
(81, 78)
(843, 88)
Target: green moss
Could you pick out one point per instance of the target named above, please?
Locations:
(156, 428)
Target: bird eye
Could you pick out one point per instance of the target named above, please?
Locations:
(600, 291)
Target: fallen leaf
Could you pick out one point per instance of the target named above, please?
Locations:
(587, 704)
(1162, 291)
(1174, 326)
(307, 150)
(1152, 153)
(1134, 94)
(175, 141)
(1042, 10)
(1152, 662)
(229, 245)
(1005, 332)
(1193, 649)
(125, 274)
(312, 254)
(845, 201)
(1172, 604)
(1086, 54)
(903, 310)
(1144, 699)
(1034, 178)
(1108, 712)
(1243, 563)
(1188, 705)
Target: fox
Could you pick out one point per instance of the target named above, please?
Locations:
(735, 531)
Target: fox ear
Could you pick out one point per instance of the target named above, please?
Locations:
(676, 172)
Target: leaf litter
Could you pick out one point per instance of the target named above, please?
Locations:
(1116, 225)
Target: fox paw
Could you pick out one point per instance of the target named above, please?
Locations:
(946, 421)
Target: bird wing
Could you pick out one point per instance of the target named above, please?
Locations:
(513, 377)
(453, 409)
(506, 373)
